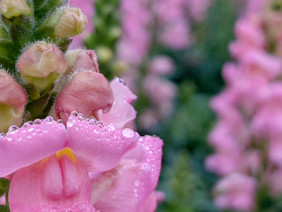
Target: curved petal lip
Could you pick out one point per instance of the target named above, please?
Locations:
(21, 147)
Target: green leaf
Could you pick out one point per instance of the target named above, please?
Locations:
(4, 186)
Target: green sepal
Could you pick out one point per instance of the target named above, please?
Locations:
(4, 208)
(63, 44)
(20, 36)
(6, 63)
(38, 4)
(3, 32)
(6, 48)
(4, 186)
(44, 32)
(47, 8)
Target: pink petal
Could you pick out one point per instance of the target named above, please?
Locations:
(122, 189)
(44, 187)
(150, 204)
(152, 146)
(129, 186)
(24, 146)
(122, 112)
(100, 147)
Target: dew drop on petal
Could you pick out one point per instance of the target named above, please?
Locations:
(128, 133)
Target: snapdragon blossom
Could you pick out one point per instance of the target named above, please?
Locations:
(247, 134)
(82, 166)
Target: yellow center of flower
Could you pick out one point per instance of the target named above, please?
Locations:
(67, 152)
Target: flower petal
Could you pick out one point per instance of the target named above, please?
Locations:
(100, 147)
(43, 187)
(130, 185)
(123, 188)
(122, 112)
(24, 146)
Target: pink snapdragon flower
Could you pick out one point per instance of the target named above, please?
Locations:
(84, 166)
(236, 191)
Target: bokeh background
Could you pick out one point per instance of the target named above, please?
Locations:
(171, 53)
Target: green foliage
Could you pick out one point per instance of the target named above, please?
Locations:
(107, 33)
(4, 186)
(185, 190)
(4, 208)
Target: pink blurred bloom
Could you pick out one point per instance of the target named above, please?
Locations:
(236, 191)
(160, 91)
(198, 8)
(249, 35)
(162, 65)
(87, 6)
(3, 200)
(148, 119)
(175, 35)
(52, 165)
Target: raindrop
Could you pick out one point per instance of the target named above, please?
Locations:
(12, 129)
(49, 119)
(37, 121)
(74, 114)
(128, 133)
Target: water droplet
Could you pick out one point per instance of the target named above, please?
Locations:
(60, 121)
(13, 129)
(128, 133)
(100, 124)
(37, 121)
(30, 129)
(80, 117)
(49, 119)
(74, 114)
(92, 122)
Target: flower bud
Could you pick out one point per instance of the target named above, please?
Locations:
(80, 59)
(41, 59)
(14, 8)
(86, 93)
(71, 22)
(13, 99)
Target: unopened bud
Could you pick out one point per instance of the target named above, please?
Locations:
(86, 93)
(41, 59)
(14, 8)
(80, 59)
(71, 22)
(13, 99)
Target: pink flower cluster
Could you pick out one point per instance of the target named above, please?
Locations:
(161, 91)
(247, 134)
(173, 25)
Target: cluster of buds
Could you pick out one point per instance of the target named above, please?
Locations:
(81, 157)
(247, 136)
